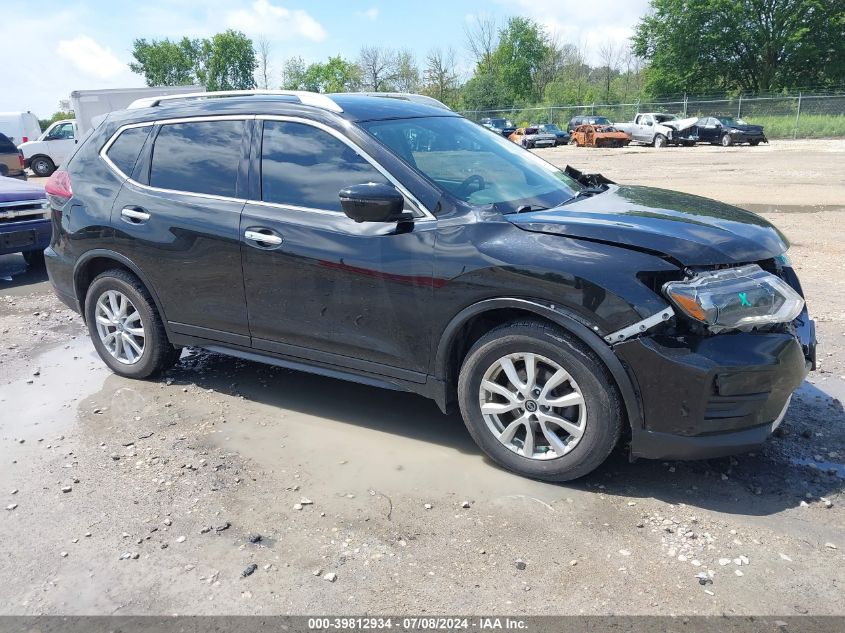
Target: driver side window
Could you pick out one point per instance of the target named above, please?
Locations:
(61, 132)
(304, 166)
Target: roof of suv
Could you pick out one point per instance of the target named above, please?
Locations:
(354, 106)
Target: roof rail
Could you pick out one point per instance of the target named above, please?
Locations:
(315, 99)
(409, 96)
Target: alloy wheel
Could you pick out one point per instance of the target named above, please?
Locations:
(120, 327)
(532, 406)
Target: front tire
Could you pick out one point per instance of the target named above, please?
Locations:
(125, 326)
(727, 141)
(34, 259)
(42, 166)
(660, 141)
(538, 402)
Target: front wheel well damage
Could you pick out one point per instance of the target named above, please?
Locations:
(476, 326)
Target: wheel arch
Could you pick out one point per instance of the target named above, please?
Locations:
(97, 261)
(475, 320)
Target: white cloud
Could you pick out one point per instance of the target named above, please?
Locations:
(577, 23)
(91, 58)
(371, 14)
(277, 21)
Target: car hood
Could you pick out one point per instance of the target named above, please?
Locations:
(692, 230)
(12, 190)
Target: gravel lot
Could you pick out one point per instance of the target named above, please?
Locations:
(158, 497)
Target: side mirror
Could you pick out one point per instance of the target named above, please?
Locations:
(374, 203)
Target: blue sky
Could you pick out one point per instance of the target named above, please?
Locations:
(65, 45)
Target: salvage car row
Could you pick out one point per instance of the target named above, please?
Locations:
(649, 128)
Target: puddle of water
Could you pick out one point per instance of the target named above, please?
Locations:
(791, 208)
(67, 374)
(828, 467)
(349, 438)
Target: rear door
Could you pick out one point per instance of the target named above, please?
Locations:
(320, 286)
(178, 220)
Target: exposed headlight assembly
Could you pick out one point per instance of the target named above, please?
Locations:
(735, 298)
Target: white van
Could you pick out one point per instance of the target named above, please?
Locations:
(20, 127)
(51, 149)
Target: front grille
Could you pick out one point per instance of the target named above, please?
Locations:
(23, 210)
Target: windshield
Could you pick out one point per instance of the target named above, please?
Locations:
(729, 121)
(599, 120)
(473, 165)
(665, 117)
(550, 127)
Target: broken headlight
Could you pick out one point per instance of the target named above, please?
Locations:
(735, 298)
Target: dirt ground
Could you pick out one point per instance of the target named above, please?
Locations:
(156, 497)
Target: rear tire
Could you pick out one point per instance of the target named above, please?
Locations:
(754, 142)
(140, 317)
(42, 166)
(557, 453)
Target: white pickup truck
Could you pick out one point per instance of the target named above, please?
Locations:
(656, 128)
(44, 155)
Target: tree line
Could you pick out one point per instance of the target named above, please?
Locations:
(680, 46)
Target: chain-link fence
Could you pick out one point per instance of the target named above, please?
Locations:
(792, 116)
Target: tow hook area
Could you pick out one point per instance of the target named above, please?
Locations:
(640, 326)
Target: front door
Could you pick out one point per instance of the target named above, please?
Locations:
(180, 224)
(60, 140)
(320, 286)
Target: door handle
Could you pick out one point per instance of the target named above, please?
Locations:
(134, 215)
(263, 237)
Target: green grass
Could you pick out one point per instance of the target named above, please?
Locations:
(809, 125)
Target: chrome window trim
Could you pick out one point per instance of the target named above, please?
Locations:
(200, 119)
(427, 216)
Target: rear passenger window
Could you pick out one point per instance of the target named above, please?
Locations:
(126, 148)
(304, 166)
(200, 157)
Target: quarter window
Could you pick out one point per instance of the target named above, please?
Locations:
(125, 149)
(304, 166)
(198, 157)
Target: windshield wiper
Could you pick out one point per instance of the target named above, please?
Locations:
(586, 192)
(525, 208)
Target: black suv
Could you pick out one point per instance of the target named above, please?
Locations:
(500, 126)
(391, 242)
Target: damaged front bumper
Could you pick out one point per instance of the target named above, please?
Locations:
(709, 396)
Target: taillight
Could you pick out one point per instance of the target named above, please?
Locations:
(58, 186)
(20, 158)
(25, 139)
